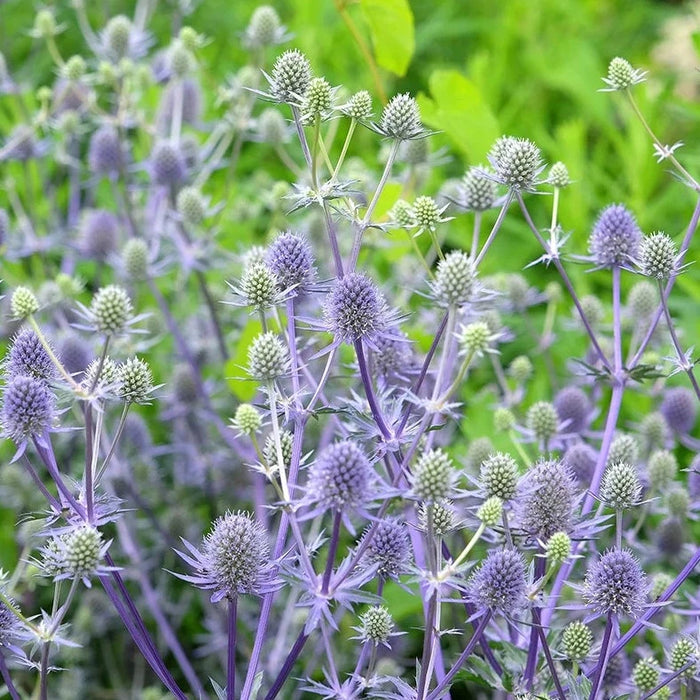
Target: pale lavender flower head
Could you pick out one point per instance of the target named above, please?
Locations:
(291, 259)
(99, 232)
(105, 153)
(355, 309)
(574, 409)
(167, 164)
(234, 559)
(616, 237)
(75, 354)
(545, 499)
(499, 583)
(580, 458)
(615, 584)
(28, 408)
(340, 478)
(27, 357)
(680, 409)
(389, 548)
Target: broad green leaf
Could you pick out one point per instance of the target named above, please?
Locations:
(457, 107)
(391, 27)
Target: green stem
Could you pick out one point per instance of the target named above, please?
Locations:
(346, 144)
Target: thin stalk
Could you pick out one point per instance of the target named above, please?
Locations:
(618, 528)
(52, 355)
(604, 657)
(7, 678)
(231, 666)
(91, 460)
(343, 152)
(547, 653)
(287, 666)
(567, 282)
(495, 229)
(476, 636)
(369, 391)
(332, 549)
(476, 233)
(685, 245)
(687, 367)
(115, 441)
(272, 393)
(40, 484)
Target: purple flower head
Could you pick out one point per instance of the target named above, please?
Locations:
(355, 309)
(670, 537)
(291, 259)
(580, 458)
(28, 408)
(389, 548)
(27, 357)
(340, 478)
(574, 409)
(392, 358)
(167, 164)
(680, 409)
(75, 354)
(546, 497)
(694, 477)
(234, 559)
(615, 239)
(615, 584)
(499, 583)
(105, 153)
(99, 232)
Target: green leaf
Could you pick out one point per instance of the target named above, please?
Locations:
(242, 388)
(457, 107)
(391, 27)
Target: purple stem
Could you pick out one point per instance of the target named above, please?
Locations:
(604, 657)
(496, 227)
(231, 667)
(288, 665)
(669, 285)
(268, 599)
(5, 673)
(610, 424)
(369, 391)
(40, 484)
(332, 549)
(566, 280)
(676, 344)
(423, 373)
(462, 657)
(531, 665)
(547, 652)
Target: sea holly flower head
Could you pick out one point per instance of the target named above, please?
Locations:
(622, 76)
(616, 237)
(499, 584)
(233, 559)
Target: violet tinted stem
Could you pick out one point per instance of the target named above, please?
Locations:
(692, 225)
(231, 667)
(669, 679)
(677, 346)
(547, 652)
(332, 549)
(567, 282)
(604, 657)
(478, 632)
(288, 665)
(369, 391)
(7, 678)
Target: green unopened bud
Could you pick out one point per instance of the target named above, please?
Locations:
(577, 641)
(23, 303)
(503, 419)
(490, 511)
(247, 419)
(558, 548)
